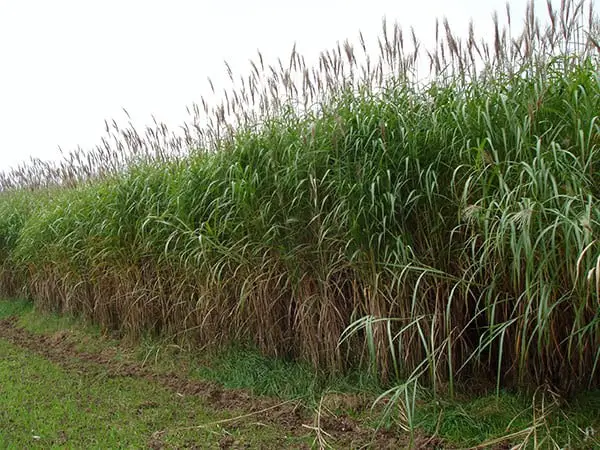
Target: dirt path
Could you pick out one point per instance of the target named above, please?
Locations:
(291, 417)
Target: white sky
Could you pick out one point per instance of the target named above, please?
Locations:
(66, 65)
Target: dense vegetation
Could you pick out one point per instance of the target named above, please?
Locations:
(348, 214)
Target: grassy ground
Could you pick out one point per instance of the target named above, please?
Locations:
(87, 404)
(81, 389)
(44, 406)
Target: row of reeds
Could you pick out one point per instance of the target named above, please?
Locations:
(440, 229)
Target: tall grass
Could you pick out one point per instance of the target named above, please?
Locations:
(438, 228)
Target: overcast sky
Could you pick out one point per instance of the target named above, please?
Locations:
(66, 65)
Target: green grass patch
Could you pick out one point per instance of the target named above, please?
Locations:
(14, 308)
(43, 406)
(240, 367)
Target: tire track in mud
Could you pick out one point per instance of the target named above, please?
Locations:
(291, 417)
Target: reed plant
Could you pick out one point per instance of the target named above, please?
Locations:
(435, 229)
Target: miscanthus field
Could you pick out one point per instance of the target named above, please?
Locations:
(438, 226)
